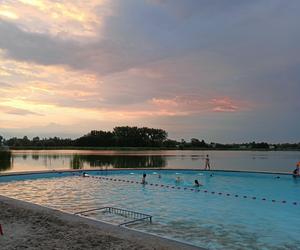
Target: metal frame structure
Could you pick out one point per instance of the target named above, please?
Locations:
(136, 216)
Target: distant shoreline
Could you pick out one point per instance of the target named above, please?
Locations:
(149, 148)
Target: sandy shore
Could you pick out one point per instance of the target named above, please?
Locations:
(29, 226)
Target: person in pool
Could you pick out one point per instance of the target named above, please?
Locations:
(197, 184)
(178, 179)
(296, 172)
(144, 179)
(84, 174)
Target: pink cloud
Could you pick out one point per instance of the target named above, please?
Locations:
(180, 105)
(192, 104)
(224, 104)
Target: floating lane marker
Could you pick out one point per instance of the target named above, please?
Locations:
(196, 190)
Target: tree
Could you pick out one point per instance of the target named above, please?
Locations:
(139, 137)
(197, 143)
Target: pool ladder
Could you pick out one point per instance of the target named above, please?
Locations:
(136, 216)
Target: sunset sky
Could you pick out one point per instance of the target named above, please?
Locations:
(226, 71)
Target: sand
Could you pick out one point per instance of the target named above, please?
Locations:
(29, 226)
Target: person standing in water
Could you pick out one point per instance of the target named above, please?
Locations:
(144, 179)
(296, 172)
(178, 179)
(207, 163)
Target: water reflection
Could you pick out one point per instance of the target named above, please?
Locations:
(118, 161)
(76, 162)
(35, 157)
(36, 160)
(5, 160)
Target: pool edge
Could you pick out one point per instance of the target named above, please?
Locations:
(132, 169)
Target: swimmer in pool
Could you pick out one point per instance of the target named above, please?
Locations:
(296, 172)
(85, 174)
(144, 179)
(178, 179)
(197, 184)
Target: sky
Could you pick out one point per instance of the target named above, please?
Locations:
(222, 71)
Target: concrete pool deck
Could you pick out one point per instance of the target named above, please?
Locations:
(29, 226)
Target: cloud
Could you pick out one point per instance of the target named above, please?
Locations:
(103, 57)
(16, 111)
(67, 19)
(187, 105)
(5, 85)
(233, 63)
(224, 105)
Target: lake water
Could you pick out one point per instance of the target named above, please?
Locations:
(36, 160)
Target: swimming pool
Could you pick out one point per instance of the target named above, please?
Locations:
(233, 210)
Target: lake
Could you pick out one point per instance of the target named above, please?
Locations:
(37, 160)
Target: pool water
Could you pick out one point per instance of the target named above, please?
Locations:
(232, 210)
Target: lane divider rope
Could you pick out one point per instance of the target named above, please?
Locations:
(194, 190)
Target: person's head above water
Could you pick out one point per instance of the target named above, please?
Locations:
(197, 184)
(178, 179)
(144, 175)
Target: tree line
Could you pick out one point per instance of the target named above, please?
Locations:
(126, 136)
(120, 137)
